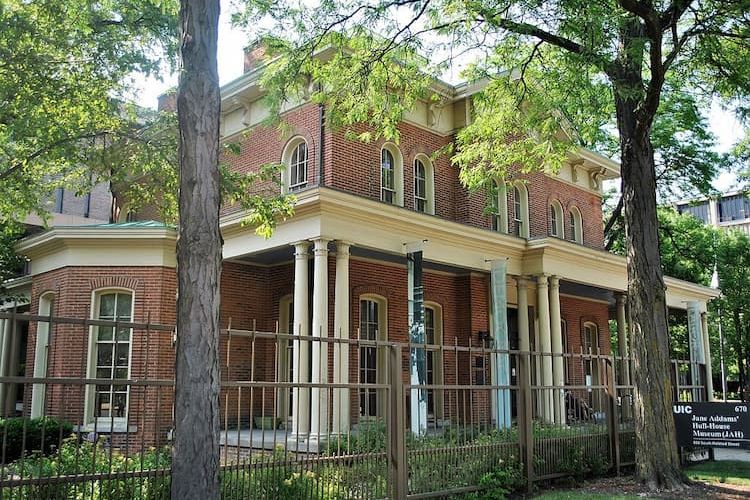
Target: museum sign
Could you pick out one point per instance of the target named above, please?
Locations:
(716, 425)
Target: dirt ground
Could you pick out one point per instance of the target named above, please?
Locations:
(625, 485)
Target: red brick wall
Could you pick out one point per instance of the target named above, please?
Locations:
(152, 355)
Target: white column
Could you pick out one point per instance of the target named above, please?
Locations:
(341, 397)
(707, 351)
(523, 314)
(545, 347)
(558, 363)
(319, 397)
(301, 350)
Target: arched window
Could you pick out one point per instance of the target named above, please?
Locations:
(46, 308)
(391, 175)
(296, 161)
(556, 223)
(499, 206)
(576, 225)
(521, 210)
(110, 357)
(424, 185)
(372, 326)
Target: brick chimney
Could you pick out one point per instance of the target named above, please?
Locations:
(254, 55)
(167, 101)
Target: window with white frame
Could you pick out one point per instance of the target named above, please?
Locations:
(499, 206)
(424, 185)
(38, 391)
(433, 326)
(521, 210)
(387, 177)
(420, 186)
(392, 175)
(297, 168)
(110, 355)
(576, 225)
(556, 220)
(372, 326)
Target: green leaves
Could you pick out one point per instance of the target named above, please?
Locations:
(64, 69)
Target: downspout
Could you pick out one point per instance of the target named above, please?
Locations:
(321, 140)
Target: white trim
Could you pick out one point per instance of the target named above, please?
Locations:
(398, 174)
(113, 423)
(286, 159)
(556, 220)
(41, 353)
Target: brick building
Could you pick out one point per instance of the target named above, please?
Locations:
(338, 268)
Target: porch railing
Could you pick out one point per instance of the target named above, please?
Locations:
(347, 426)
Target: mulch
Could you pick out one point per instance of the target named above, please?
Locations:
(626, 485)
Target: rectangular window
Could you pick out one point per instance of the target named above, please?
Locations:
(699, 211)
(420, 186)
(298, 168)
(735, 207)
(368, 357)
(111, 355)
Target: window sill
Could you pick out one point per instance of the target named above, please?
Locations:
(107, 428)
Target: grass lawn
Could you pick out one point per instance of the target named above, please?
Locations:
(725, 471)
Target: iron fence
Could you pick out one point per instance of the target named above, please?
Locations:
(308, 416)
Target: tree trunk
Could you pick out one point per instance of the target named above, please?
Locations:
(195, 465)
(657, 459)
(739, 351)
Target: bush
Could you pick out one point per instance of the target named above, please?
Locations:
(50, 430)
(371, 437)
(76, 457)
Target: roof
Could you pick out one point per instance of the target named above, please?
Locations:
(141, 224)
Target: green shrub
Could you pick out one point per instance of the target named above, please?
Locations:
(370, 437)
(76, 457)
(47, 429)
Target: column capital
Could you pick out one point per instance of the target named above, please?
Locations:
(554, 281)
(621, 299)
(342, 247)
(522, 281)
(541, 280)
(301, 248)
(321, 245)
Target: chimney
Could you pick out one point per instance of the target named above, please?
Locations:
(254, 55)
(167, 101)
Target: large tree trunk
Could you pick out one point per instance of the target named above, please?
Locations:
(195, 466)
(657, 459)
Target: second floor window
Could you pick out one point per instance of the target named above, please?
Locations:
(298, 167)
(420, 186)
(387, 177)
(556, 220)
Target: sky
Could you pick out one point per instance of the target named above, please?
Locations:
(230, 59)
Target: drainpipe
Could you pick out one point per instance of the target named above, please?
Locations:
(321, 140)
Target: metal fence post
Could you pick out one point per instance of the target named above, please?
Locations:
(396, 425)
(613, 418)
(525, 418)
